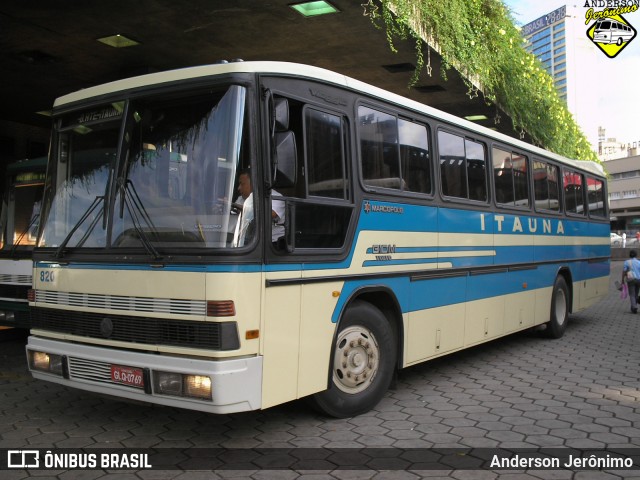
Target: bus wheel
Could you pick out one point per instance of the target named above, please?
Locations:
(363, 360)
(559, 317)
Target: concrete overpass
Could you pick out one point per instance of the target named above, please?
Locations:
(52, 48)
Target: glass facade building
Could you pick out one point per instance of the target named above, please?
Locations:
(559, 40)
(547, 40)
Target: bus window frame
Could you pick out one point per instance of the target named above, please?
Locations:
(464, 134)
(276, 255)
(505, 206)
(575, 215)
(605, 203)
(348, 189)
(398, 113)
(544, 211)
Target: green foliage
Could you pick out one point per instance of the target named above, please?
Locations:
(479, 39)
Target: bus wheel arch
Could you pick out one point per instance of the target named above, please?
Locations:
(363, 358)
(385, 301)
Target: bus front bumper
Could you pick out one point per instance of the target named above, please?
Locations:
(216, 386)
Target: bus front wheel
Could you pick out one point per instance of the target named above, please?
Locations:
(559, 316)
(363, 362)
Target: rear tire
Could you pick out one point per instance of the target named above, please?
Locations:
(363, 362)
(559, 316)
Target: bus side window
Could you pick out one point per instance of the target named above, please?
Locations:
(378, 133)
(394, 152)
(573, 188)
(546, 186)
(595, 189)
(462, 167)
(325, 169)
(511, 176)
(414, 156)
(323, 179)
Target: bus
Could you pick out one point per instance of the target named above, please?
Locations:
(405, 234)
(21, 203)
(609, 30)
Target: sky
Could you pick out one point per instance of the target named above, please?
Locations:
(614, 100)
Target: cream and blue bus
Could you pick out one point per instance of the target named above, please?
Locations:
(19, 215)
(404, 234)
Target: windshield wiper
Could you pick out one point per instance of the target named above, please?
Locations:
(135, 206)
(96, 201)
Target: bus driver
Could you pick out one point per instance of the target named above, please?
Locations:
(246, 227)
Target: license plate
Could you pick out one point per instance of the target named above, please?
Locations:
(127, 376)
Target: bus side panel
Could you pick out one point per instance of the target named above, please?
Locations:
(465, 238)
(433, 332)
(245, 289)
(518, 305)
(596, 278)
(281, 340)
(316, 335)
(485, 310)
(436, 318)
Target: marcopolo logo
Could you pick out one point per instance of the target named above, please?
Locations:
(610, 31)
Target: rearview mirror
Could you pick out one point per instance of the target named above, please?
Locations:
(285, 161)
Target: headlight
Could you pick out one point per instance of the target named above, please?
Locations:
(46, 362)
(197, 386)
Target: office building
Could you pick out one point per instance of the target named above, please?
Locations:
(558, 39)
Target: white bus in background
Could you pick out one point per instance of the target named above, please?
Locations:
(21, 201)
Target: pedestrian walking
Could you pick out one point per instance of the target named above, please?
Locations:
(631, 275)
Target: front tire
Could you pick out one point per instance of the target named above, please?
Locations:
(363, 362)
(559, 316)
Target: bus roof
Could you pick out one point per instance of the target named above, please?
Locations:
(313, 73)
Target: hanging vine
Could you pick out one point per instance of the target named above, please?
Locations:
(479, 39)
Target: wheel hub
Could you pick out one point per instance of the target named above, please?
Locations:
(356, 359)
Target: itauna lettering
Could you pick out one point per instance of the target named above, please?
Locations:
(515, 224)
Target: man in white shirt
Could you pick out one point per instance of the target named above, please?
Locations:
(244, 229)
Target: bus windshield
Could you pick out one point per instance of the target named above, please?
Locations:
(171, 186)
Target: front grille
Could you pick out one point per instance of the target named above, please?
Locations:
(18, 292)
(92, 370)
(142, 330)
(15, 278)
